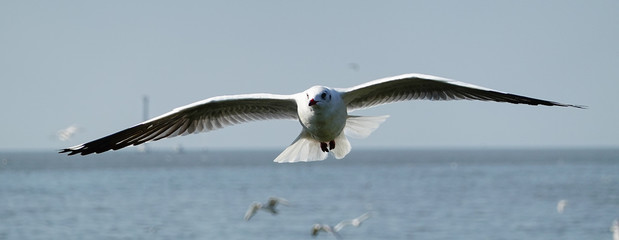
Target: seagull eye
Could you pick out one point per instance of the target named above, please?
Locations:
(323, 95)
(307, 95)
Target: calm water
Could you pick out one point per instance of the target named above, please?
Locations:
(489, 194)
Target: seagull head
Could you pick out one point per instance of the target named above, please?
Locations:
(318, 95)
(315, 229)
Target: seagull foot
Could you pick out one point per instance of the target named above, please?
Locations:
(326, 147)
(323, 147)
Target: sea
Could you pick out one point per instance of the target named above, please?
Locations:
(409, 194)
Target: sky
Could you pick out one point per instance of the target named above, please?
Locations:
(88, 64)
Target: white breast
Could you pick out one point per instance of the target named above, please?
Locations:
(325, 120)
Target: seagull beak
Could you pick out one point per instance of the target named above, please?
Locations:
(312, 102)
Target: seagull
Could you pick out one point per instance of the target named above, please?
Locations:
(67, 133)
(316, 228)
(323, 113)
(356, 222)
(270, 207)
(561, 205)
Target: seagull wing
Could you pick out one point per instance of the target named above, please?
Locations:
(251, 211)
(273, 201)
(205, 115)
(341, 225)
(354, 222)
(420, 86)
(357, 221)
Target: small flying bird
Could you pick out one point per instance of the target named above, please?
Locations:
(356, 222)
(323, 113)
(269, 207)
(354, 66)
(561, 205)
(67, 133)
(316, 228)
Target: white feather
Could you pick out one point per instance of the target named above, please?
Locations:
(342, 146)
(303, 149)
(362, 127)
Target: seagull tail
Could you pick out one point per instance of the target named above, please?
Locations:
(342, 146)
(362, 127)
(306, 149)
(303, 149)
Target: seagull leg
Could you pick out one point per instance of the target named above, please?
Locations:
(332, 145)
(323, 147)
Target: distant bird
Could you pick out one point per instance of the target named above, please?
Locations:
(269, 207)
(316, 228)
(354, 66)
(322, 111)
(356, 222)
(67, 133)
(615, 229)
(561, 205)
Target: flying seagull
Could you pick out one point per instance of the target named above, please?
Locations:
(322, 111)
(67, 133)
(356, 222)
(561, 205)
(269, 207)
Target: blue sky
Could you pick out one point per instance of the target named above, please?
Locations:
(88, 63)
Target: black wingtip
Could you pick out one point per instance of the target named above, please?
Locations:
(579, 106)
(72, 151)
(571, 105)
(67, 150)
